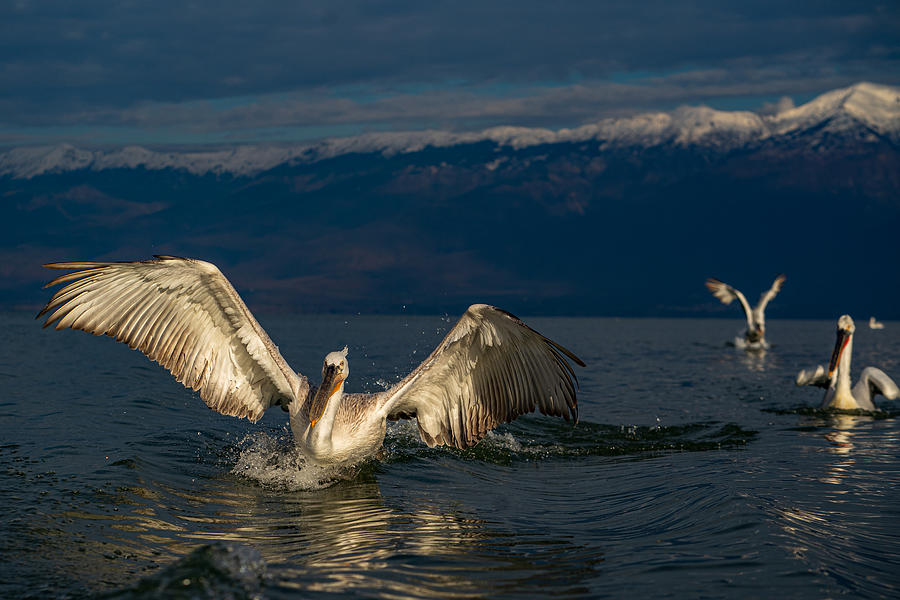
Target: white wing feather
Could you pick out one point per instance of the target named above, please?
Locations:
(185, 315)
(815, 377)
(876, 381)
(727, 294)
(489, 369)
(769, 294)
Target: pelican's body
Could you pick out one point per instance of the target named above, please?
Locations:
(184, 314)
(754, 336)
(836, 380)
(352, 430)
(873, 324)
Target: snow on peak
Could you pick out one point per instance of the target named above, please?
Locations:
(28, 162)
(874, 106)
(693, 125)
(866, 105)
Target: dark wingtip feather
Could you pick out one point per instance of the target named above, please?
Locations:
(571, 355)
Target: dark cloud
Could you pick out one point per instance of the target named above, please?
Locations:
(398, 63)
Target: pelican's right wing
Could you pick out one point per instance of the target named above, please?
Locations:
(771, 293)
(727, 294)
(817, 377)
(185, 315)
(489, 369)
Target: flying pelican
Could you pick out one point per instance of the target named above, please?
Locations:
(185, 315)
(873, 324)
(755, 334)
(836, 380)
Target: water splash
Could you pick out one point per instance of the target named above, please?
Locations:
(276, 463)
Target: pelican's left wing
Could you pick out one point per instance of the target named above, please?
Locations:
(817, 377)
(878, 382)
(185, 315)
(489, 369)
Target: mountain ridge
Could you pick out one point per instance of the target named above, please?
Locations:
(864, 110)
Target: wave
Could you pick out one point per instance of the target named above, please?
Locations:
(275, 462)
(534, 438)
(830, 413)
(219, 570)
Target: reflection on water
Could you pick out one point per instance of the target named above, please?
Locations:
(841, 440)
(755, 360)
(836, 529)
(341, 539)
(841, 437)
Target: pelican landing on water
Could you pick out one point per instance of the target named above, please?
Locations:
(755, 334)
(185, 315)
(836, 380)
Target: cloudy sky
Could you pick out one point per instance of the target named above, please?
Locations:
(181, 72)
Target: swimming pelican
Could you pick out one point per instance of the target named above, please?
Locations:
(836, 380)
(185, 315)
(873, 324)
(755, 334)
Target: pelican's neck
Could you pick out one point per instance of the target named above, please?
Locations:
(320, 433)
(748, 313)
(843, 370)
(839, 394)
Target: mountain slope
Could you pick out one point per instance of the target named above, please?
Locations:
(585, 221)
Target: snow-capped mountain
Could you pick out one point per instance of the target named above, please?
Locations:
(863, 112)
(553, 220)
(864, 105)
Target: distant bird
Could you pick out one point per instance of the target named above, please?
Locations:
(755, 334)
(836, 380)
(185, 315)
(873, 324)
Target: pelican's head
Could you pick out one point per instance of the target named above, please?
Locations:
(334, 373)
(845, 329)
(338, 360)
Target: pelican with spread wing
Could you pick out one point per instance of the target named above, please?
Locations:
(755, 334)
(185, 315)
(836, 381)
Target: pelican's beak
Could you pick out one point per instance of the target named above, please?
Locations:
(331, 383)
(843, 336)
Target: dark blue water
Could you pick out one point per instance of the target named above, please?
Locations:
(696, 471)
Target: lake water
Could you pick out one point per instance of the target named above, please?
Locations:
(697, 470)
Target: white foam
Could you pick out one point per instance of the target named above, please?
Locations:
(505, 441)
(277, 463)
